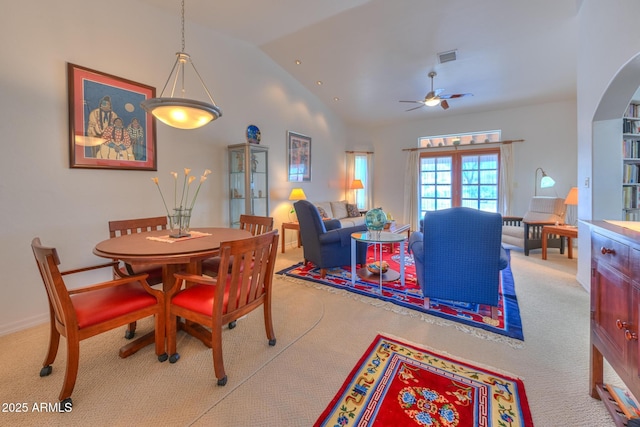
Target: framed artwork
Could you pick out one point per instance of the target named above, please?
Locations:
(299, 157)
(108, 128)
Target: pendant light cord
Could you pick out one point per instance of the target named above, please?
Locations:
(182, 26)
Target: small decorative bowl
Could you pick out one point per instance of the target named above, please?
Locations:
(375, 267)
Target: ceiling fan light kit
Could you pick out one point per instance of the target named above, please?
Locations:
(434, 98)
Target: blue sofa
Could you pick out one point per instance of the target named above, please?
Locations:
(326, 243)
(459, 256)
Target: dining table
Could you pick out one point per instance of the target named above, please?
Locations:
(174, 254)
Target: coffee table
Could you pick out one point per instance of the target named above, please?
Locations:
(377, 239)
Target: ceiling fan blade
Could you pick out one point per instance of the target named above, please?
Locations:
(415, 108)
(414, 102)
(455, 95)
(444, 104)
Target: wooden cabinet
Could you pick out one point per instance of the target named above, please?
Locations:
(615, 301)
(248, 181)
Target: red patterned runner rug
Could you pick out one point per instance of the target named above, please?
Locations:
(400, 384)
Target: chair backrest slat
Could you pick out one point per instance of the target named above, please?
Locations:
(251, 273)
(256, 224)
(139, 225)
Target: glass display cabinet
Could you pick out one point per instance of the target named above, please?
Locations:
(248, 181)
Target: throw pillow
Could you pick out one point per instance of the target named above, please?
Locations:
(323, 213)
(339, 209)
(352, 210)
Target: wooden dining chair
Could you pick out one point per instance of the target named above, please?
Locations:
(254, 224)
(214, 302)
(131, 226)
(81, 313)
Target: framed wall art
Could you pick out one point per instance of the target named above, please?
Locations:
(108, 128)
(299, 157)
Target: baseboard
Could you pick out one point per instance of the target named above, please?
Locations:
(20, 325)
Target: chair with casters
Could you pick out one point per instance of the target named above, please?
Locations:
(254, 224)
(81, 313)
(325, 243)
(236, 290)
(459, 256)
(526, 231)
(131, 226)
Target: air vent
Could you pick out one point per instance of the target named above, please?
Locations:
(447, 56)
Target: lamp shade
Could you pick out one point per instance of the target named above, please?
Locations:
(572, 197)
(297, 194)
(356, 185)
(182, 113)
(545, 182)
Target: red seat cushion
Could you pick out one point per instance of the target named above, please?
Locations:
(199, 298)
(104, 304)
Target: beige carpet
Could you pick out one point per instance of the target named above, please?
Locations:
(321, 335)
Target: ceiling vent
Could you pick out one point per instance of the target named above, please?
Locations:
(447, 56)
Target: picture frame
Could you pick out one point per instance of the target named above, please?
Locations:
(107, 126)
(298, 157)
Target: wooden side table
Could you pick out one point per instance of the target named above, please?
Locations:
(290, 226)
(559, 230)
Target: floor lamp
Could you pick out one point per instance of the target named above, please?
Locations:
(545, 182)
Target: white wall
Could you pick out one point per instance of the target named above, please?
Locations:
(608, 42)
(549, 131)
(69, 208)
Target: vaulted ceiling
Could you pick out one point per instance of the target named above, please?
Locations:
(369, 54)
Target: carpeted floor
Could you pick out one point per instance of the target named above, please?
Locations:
(321, 336)
(473, 318)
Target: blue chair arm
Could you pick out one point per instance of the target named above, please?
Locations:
(416, 244)
(332, 224)
(504, 258)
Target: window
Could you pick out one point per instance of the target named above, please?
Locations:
(459, 178)
(360, 172)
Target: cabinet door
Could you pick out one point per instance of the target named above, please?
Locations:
(610, 305)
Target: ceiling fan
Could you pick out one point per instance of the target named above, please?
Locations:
(434, 98)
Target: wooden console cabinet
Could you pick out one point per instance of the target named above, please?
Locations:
(615, 302)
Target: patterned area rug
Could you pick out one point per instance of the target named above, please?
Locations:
(508, 323)
(399, 384)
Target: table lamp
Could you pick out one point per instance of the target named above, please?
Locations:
(355, 186)
(571, 200)
(296, 194)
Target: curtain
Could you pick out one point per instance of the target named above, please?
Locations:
(506, 178)
(368, 183)
(411, 193)
(349, 176)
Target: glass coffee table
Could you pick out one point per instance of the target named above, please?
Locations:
(377, 239)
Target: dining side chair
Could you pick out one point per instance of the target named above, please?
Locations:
(81, 313)
(131, 226)
(233, 293)
(254, 224)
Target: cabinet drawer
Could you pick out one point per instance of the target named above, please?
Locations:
(611, 252)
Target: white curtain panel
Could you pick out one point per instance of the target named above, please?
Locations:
(411, 193)
(506, 178)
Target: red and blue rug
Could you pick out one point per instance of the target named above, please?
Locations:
(508, 323)
(400, 384)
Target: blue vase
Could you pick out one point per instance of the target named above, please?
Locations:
(375, 219)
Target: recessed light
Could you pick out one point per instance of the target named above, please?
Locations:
(335, 98)
(298, 62)
(319, 82)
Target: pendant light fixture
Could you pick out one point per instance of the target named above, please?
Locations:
(180, 112)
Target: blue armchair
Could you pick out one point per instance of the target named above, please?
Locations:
(459, 256)
(325, 243)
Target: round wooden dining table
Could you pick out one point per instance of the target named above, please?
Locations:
(180, 254)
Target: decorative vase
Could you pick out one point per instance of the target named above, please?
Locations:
(179, 223)
(375, 220)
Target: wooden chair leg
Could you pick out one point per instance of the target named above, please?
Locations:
(268, 323)
(216, 350)
(323, 272)
(131, 331)
(54, 342)
(494, 313)
(71, 373)
(172, 330)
